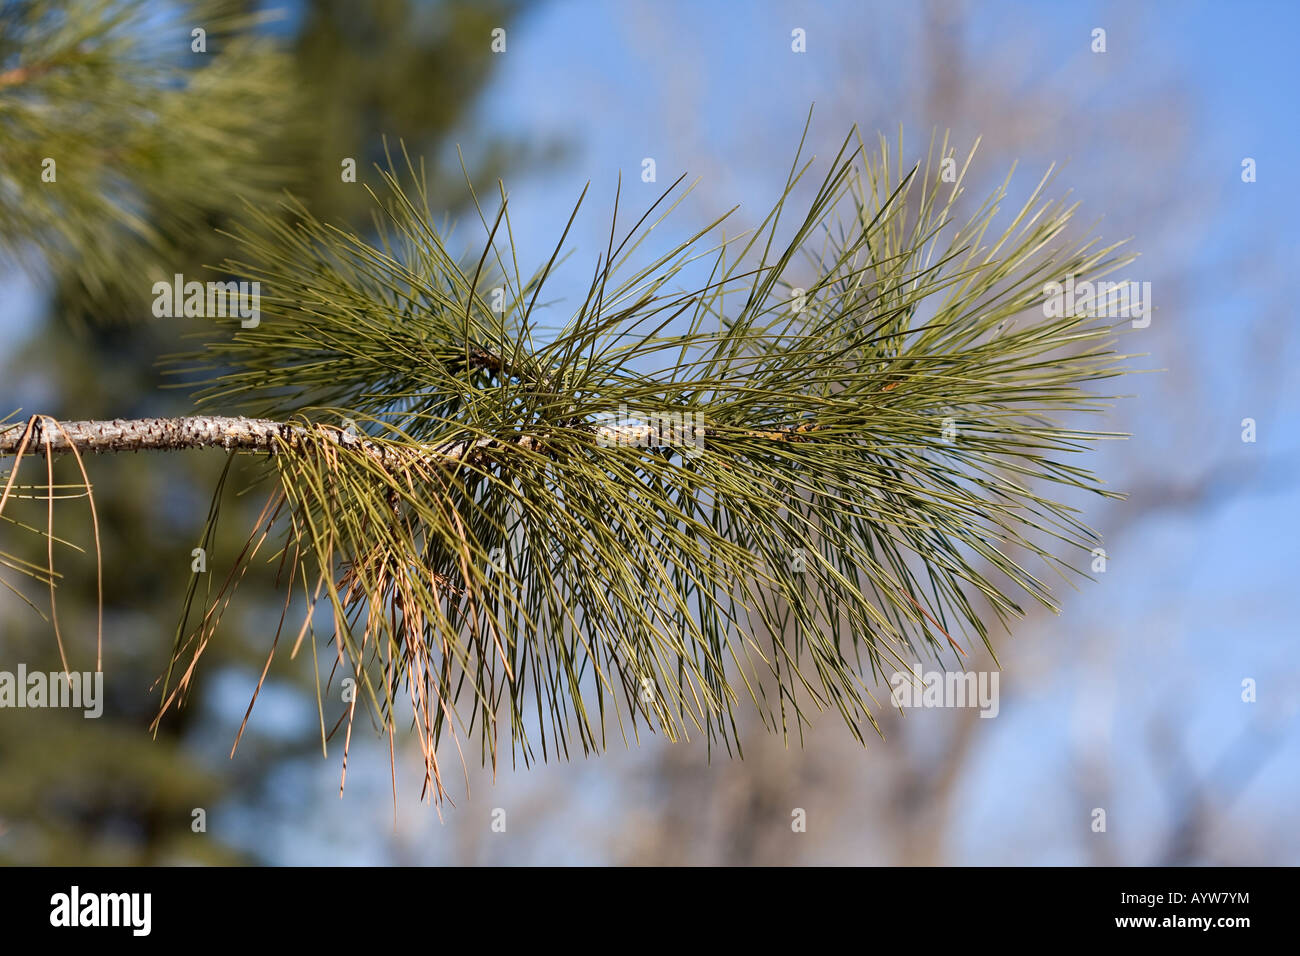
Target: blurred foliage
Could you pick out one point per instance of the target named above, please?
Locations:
(277, 104)
(122, 133)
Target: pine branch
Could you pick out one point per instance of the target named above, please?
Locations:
(41, 435)
(880, 406)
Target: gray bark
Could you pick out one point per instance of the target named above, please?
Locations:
(245, 434)
(203, 431)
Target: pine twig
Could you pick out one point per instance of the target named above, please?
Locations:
(239, 433)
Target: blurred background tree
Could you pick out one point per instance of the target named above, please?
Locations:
(276, 102)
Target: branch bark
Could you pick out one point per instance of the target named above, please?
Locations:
(231, 433)
(237, 433)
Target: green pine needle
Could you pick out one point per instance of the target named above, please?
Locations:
(877, 413)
